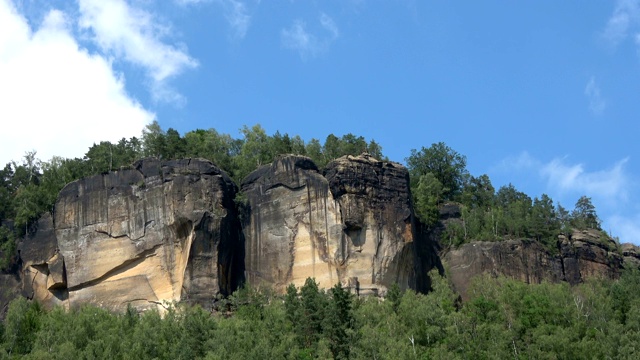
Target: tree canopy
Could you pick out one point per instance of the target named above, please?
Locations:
(503, 318)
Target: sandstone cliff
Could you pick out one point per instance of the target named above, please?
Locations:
(160, 232)
(166, 231)
(353, 225)
(583, 255)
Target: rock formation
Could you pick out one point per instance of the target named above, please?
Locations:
(585, 254)
(353, 225)
(379, 223)
(163, 231)
(631, 255)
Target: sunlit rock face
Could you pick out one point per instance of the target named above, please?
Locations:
(160, 232)
(377, 218)
(352, 225)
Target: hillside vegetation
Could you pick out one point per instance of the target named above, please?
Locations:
(503, 319)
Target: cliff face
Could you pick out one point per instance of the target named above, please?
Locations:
(162, 231)
(353, 225)
(579, 257)
(167, 231)
(382, 245)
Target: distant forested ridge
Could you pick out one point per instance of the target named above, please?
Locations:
(438, 174)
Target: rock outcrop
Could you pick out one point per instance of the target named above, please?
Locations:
(585, 254)
(162, 231)
(382, 242)
(354, 225)
(631, 255)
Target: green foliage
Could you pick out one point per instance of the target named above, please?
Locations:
(428, 195)
(7, 247)
(502, 318)
(446, 165)
(338, 322)
(24, 319)
(584, 215)
(394, 296)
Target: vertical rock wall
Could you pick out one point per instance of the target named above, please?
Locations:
(163, 231)
(292, 228)
(353, 225)
(378, 246)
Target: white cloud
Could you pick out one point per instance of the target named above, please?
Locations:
(235, 12)
(625, 14)
(609, 184)
(612, 189)
(238, 17)
(133, 34)
(524, 161)
(562, 177)
(57, 98)
(627, 228)
(329, 25)
(596, 103)
(297, 38)
(190, 2)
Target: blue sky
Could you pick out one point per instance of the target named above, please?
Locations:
(542, 94)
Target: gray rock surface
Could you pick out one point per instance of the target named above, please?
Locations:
(160, 232)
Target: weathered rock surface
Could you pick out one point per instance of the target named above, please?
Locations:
(166, 231)
(581, 256)
(163, 231)
(43, 273)
(353, 225)
(631, 255)
(588, 254)
(379, 232)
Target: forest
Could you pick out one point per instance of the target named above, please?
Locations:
(502, 319)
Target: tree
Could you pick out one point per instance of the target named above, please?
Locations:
(428, 195)
(478, 192)
(544, 224)
(374, 149)
(339, 322)
(563, 219)
(331, 148)
(6, 192)
(584, 215)
(255, 150)
(153, 140)
(516, 211)
(312, 311)
(23, 320)
(313, 149)
(175, 145)
(447, 165)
